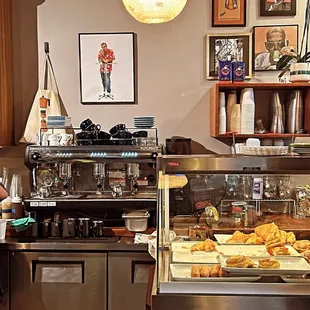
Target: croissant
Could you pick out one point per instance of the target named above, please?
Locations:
(290, 238)
(209, 245)
(238, 237)
(264, 230)
(239, 262)
(268, 263)
(283, 236)
(197, 247)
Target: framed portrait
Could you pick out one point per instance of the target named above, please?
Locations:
(230, 47)
(277, 7)
(107, 68)
(228, 13)
(271, 43)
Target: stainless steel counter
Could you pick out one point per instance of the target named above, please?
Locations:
(70, 245)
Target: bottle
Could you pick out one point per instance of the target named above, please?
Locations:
(17, 208)
(7, 208)
(222, 114)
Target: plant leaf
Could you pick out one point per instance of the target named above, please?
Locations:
(287, 68)
(284, 61)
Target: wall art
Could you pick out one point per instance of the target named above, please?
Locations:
(277, 7)
(271, 43)
(230, 47)
(107, 68)
(228, 13)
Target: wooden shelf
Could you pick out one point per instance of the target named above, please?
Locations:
(261, 136)
(232, 86)
(263, 96)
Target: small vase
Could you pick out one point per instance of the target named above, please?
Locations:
(300, 72)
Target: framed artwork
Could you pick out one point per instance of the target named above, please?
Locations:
(107, 68)
(230, 47)
(228, 13)
(271, 43)
(277, 7)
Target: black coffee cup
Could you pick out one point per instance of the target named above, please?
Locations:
(85, 124)
(116, 128)
(93, 127)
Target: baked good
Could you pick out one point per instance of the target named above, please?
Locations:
(254, 239)
(264, 230)
(290, 238)
(301, 245)
(268, 263)
(223, 273)
(239, 261)
(280, 251)
(197, 247)
(205, 271)
(283, 236)
(238, 237)
(306, 255)
(273, 240)
(195, 271)
(209, 245)
(215, 270)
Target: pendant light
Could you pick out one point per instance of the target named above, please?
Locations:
(154, 11)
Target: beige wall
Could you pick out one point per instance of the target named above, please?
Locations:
(171, 61)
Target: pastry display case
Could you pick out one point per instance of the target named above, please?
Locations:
(233, 233)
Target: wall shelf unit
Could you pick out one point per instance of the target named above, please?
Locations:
(263, 95)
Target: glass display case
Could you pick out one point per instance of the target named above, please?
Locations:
(233, 233)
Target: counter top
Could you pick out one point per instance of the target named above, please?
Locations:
(113, 245)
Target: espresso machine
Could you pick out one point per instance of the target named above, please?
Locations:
(92, 176)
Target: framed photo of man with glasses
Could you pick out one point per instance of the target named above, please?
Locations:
(271, 43)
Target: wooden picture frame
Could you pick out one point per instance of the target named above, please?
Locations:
(229, 13)
(108, 68)
(232, 41)
(265, 56)
(281, 8)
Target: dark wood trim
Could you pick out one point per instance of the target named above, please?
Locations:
(6, 74)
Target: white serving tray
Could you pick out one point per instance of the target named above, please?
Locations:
(288, 266)
(251, 250)
(294, 279)
(222, 239)
(184, 246)
(196, 257)
(182, 273)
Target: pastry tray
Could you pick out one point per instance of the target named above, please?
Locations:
(182, 273)
(222, 239)
(184, 246)
(251, 250)
(295, 279)
(196, 257)
(288, 266)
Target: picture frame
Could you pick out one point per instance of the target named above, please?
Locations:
(280, 8)
(229, 13)
(107, 65)
(271, 42)
(215, 51)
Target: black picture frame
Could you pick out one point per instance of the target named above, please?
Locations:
(211, 72)
(232, 23)
(265, 12)
(258, 38)
(128, 64)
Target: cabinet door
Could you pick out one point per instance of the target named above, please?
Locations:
(128, 275)
(58, 281)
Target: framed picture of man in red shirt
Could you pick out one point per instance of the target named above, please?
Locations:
(107, 68)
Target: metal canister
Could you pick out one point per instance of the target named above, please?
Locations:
(68, 228)
(83, 227)
(250, 216)
(97, 229)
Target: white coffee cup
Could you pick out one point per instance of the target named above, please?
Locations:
(65, 138)
(54, 139)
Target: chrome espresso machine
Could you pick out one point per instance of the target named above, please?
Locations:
(92, 176)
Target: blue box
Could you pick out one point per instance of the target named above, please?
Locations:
(225, 71)
(239, 71)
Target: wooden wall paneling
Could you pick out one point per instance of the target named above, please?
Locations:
(6, 74)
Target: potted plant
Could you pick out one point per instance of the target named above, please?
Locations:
(297, 63)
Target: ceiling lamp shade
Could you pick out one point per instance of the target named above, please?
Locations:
(154, 11)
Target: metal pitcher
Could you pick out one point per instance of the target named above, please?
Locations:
(295, 113)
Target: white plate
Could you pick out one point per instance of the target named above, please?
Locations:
(196, 257)
(288, 266)
(184, 246)
(180, 272)
(222, 239)
(251, 250)
(246, 250)
(294, 279)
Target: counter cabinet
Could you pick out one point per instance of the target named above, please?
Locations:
(195, 199)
